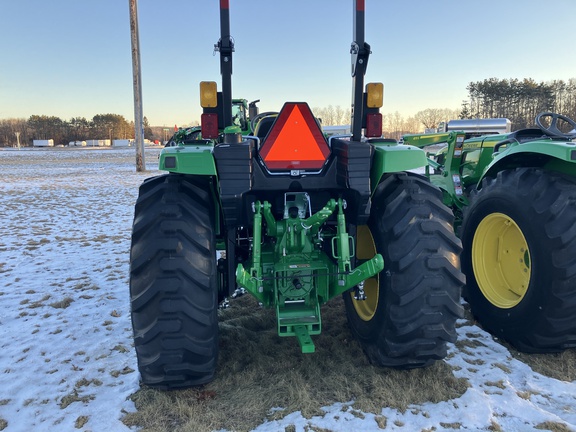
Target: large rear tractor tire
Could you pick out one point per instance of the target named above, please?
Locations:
(411, 308)
(173, 284)
(519, 237)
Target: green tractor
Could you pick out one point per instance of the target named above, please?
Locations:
(244, 115)
(296, 220)
(514, 198)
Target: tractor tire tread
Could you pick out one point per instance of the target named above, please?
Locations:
(172, 282)
(549, 201)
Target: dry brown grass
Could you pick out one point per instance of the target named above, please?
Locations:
(561, 366)
(62, 304)
(553, 427)
(259, 371)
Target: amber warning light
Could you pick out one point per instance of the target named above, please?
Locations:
(295, 140)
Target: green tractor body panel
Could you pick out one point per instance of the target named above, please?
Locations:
(553, 155)
(389, 157)
(188, 159)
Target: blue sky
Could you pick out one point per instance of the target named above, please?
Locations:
(72, 57)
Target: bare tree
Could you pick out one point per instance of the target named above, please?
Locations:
(329, 116)
(8, 130)
(430, 117)
(411, 125)
(332, 116)
(392, 125)
(342, 115)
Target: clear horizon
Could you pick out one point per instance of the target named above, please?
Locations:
(73, 59)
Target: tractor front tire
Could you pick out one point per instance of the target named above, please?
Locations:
(412, 306)
(519, 238)
(173, 289)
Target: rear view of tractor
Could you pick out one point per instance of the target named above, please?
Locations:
(514, 197)
(298, 220)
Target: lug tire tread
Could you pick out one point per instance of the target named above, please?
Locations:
(172, 282)
(421, 281)
(544, 320)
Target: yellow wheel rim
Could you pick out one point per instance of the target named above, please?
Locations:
(501, 260)
(365, 250)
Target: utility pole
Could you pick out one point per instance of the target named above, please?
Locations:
(137, 79)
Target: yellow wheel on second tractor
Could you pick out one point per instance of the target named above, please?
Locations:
(519, 241)
(501, 260)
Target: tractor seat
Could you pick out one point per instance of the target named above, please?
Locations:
(263, 127)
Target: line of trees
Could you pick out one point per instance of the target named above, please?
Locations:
(332, 115)
(101, 126)
(394, 125)
(519, 100)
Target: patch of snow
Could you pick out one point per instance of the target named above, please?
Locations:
(67, 360)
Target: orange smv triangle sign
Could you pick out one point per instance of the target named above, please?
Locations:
(295, 141)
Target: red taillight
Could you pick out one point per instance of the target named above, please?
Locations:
(295, 140)
(373, 125)
(209, 125)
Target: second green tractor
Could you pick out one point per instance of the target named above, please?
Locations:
(514, 198)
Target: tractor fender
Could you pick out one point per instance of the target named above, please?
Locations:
(390, 157)
(189, 159)
(558, 156)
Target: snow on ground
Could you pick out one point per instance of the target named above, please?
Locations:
(66, 357)
(65, 338)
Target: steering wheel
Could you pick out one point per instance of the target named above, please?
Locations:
(553, 128)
